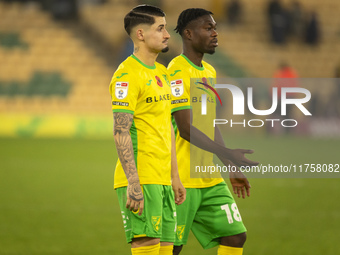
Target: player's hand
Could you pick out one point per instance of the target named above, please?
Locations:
(179, 190)
(135, 198)
(240, 184)
(238, 158)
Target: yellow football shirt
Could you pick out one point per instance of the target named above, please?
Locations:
(181, 71)
(144, 91)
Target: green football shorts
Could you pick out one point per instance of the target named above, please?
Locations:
(211, 213)
(158, 219)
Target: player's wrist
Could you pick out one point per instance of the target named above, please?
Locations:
(175, 178)
(223, 153)
(133, 182)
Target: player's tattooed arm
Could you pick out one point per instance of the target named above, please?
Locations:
(122, 124)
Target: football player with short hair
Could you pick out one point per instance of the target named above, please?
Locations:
(210, 210)
(146, 175)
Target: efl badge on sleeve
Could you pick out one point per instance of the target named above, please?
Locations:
(177, 88)
(121, 89)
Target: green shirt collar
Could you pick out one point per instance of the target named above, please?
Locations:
(150, 67)
(197, 67)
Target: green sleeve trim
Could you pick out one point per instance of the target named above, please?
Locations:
(134, 139)
(173, 121)
(123, 110)
(180, 108)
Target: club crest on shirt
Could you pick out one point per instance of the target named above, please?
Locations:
(180, 231)
(177, 88)
(165, 77)
(156, 222)
(121, 90)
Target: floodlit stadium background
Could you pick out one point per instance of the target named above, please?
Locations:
(57, 154)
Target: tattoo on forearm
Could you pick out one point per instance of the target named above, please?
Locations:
(122, 124)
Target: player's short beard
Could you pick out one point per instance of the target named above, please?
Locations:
(211, 52)
(166, 49)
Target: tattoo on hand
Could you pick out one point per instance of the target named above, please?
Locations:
(135, 192)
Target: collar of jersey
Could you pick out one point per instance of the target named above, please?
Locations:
(197, 67)
(150, 67)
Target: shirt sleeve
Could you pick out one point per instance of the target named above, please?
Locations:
(180, 91)
(124, 93)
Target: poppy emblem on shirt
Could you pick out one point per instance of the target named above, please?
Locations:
(159, 82)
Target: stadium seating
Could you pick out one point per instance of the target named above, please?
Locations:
(47, 69)
(107, 19)
(249, 44)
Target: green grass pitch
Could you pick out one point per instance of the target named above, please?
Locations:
(57, 197)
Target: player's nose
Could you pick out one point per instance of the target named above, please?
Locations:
(214, 34)
(166, 34)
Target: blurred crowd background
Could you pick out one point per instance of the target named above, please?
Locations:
(57, 57)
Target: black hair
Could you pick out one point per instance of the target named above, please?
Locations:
(141, 14)
(189, 15)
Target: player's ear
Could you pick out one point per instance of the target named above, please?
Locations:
(187, 33)
(140, 34)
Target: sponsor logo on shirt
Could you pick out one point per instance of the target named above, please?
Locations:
(118, 77)
(176, 71)
(121, 90)
(158, 98)
(179, 101)
(120, 103)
